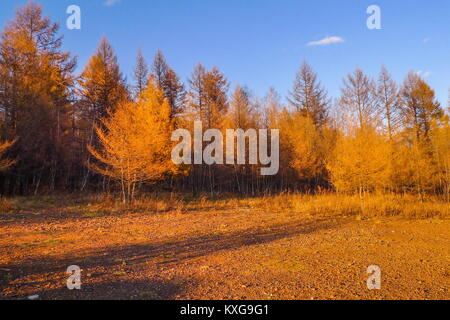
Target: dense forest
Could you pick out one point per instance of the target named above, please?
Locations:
(95, 131)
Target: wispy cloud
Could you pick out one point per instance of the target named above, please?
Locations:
(326, 41)
(426, 40)
(424, 74)
(110, 3)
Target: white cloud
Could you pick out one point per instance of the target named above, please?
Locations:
(326, 41)
(426, 40)
(110, 3)
(423, 74)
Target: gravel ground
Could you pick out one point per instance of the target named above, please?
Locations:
(221, 254)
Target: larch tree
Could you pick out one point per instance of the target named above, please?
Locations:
(389, 109)
(242, 114)
(102, 84)
(308, 96)
(305, 129)
(208, 95)
(216, 97)
(389, 101)
(242, 109)
(419, 105)
(169, 82)
(36, 81)
(175, 93)
(300, 139)
(271, 107)
(141, 74)
(196, 100)
(306, 149)
(160, 68)
(207, 101)
(135, 145)
(268, 115)
(196, 104)
(360, 163)
(102, 89)
(420, 110)
(358, 98)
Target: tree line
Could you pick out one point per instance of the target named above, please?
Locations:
(95, 131)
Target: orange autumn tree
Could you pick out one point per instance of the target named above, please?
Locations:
(135, 143)
(360, 163)
(306, 147)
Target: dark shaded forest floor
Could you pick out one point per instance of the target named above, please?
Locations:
(228, 250)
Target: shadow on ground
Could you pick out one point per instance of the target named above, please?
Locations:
(118, 290)
(171, 252)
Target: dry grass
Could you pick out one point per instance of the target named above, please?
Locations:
(6, 205)
(407, 206)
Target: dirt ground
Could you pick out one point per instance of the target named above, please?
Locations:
(227, 253)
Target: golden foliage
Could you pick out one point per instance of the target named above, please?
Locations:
(361, 162)
(304, 146)
(135, 141)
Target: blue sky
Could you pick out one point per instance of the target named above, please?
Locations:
(261, 43)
